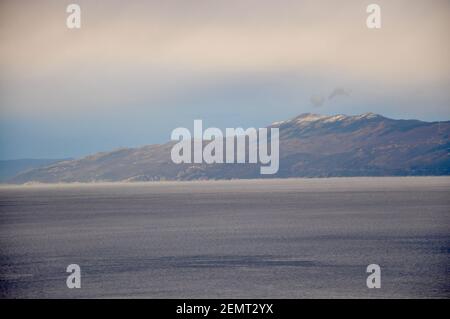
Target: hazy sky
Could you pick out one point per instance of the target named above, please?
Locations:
(138, 69)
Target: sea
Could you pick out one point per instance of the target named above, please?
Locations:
(268, 238)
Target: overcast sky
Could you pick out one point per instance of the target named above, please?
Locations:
(138, 69)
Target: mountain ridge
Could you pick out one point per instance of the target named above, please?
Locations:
(311, 145)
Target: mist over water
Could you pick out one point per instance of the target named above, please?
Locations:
(295, 238)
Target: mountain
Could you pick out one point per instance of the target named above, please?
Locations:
(10, 168)
(311, 145)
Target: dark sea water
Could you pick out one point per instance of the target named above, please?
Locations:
(299, 238)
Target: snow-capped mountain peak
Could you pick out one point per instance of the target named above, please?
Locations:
(308, 118)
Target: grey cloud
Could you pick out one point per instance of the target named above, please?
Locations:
(338, 92)
(318, 100)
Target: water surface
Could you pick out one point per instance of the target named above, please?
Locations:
(296, 238)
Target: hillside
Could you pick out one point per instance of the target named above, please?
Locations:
(311, 145)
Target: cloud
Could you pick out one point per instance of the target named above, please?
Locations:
(338, 92)
(318, 100)
(145, 65)
(145, 51)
